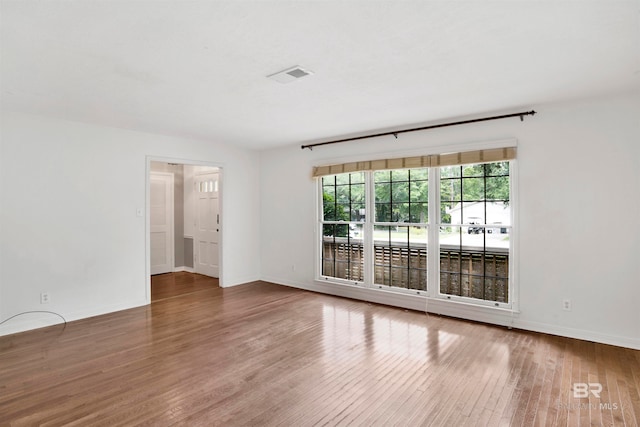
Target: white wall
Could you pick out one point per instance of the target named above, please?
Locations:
(578, 167)
(69, 194)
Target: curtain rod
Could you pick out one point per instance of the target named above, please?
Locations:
(396, 132)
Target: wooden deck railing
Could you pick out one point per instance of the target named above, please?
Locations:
(467, 271)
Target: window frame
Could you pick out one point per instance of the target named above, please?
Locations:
(322, 222)
(511, 303)
(372, 205)
(432, 226)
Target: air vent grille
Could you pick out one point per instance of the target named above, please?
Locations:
(290, 74)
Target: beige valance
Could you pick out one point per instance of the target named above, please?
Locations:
(433, 160)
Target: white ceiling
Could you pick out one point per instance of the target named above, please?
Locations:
(197, 68)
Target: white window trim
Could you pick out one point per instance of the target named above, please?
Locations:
(432, 299)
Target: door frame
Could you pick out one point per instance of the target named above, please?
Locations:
(147, 228)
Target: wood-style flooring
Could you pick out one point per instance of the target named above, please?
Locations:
(262, 354)
(176, 284)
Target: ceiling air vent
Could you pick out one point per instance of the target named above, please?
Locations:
(290, 74)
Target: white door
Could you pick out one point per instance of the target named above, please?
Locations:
(207, 224)
(161, 222)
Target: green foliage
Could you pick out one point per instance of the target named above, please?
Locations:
(334, 212)
(479, 182)
(401, 195)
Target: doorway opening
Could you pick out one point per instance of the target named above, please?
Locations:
(184, 225)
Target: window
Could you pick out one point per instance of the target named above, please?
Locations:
(474, 231)
(378, 226)
(400, 228)
(343, 212)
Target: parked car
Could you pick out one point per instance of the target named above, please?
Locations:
(497, 228)
(475, 230)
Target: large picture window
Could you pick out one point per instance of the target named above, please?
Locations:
(443, 230)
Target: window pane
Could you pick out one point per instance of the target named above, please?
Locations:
(497, 237)
(498, 213)
(400, 175)
(498, 188)
(400, 212)
(419, 213)
(328, 204)
(419, 191)
(473, 214)
(402, 201)
(473, 170)
(383, 198)
(328, 180)
(383, 193)
(497, 169)
(382, 176)
(400, 191)
(343, 212)
(470, 267)
(383, 212)
(400, 256)
(343, 197)
(450, 171)
(419, 174)
(357, 177)
(335, 212)
(448, 215)
(358, 212)
(343, 252)
(357, 193)
(450, 190)
(342, 179)
(473, 237)
(472, 189)
(462, 213)
(342, 194)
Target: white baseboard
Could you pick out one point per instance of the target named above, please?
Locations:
(29, 321)
(456, 309)
(412, 302)
(183, 268)
(580, 334)
(235, 281)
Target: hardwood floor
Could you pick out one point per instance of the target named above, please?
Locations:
(176, 284)
(262, 354)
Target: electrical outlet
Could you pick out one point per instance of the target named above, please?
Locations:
(566, 304)
(44, 298)
(293, 267)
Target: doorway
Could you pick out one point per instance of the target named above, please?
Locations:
(195, 220)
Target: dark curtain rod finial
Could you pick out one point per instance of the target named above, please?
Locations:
(396, 132)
